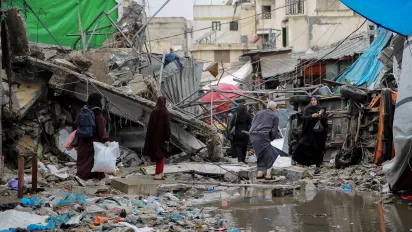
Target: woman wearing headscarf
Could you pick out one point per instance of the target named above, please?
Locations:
(241, 120)
(158, 136)
(85, 150)
(312, 144)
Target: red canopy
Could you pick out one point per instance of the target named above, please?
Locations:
(220, 96)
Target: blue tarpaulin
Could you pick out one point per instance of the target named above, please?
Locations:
(366, 68)
(393, 15)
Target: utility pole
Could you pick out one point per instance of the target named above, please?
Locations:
(1, 99)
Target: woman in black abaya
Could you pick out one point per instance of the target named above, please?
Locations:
(312, 144)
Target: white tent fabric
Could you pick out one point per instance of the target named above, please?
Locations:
(402, 128)
(240, 74)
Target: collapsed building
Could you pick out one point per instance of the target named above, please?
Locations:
(45, 86)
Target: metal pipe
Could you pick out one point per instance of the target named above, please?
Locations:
(99, 28)
(264, 92)
(81, 30)
(91, 24)
(161, 69)
(97, 24)
(34, 172)
(76, 35)
(187, 98)
(197, 98)
(20, 178)
(148, 21)
(218, 90)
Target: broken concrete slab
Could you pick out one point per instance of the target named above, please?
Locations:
(292, 173)
(24, 94)
(185, 140)
(101, 65)
(129, 158)
(79, 60)
(138, 86)
(130, 137)
(200, 168)
(138, 185)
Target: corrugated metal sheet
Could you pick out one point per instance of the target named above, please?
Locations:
(178, 84)
(278, 64)
(365, 70)
(352, 46)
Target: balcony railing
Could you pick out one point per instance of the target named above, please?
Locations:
(295, 7)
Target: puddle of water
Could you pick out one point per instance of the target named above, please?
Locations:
(313, 210)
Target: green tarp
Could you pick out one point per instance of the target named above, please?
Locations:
(61, 18)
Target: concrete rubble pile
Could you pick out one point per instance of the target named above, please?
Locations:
(49, 84)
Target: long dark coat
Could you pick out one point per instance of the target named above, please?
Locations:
(158, 132)
(311, 147)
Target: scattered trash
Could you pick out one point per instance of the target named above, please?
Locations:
(252, 159)
(267, 219)
(16, 219)
(212, 189)
(62, 173)
(347, 188)
(14, 184)
(225, 203)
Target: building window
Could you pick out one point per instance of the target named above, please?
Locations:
(243, 39)
(216, 25)
(266, 12)
(222, 55)
(285, 37)
(234, 25)
(295, 7)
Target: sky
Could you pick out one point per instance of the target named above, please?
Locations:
(178, 8)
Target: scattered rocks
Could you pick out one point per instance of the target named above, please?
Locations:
(77, 58)
(366, 177)
(292, 173)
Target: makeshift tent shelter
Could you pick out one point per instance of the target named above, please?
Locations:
(240, 74)
(61, 18)
(390, 14)
(399, 169)
(365, 70)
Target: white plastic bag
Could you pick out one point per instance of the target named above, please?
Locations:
(105, 157)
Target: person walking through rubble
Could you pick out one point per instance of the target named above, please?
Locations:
(87, 134)
(312, 144)
(263, 131)
(158, 136)
(240, 122)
